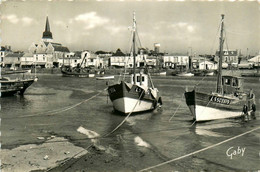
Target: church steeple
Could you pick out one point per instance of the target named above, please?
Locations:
(47, 35)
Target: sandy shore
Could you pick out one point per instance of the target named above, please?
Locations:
(54, 151)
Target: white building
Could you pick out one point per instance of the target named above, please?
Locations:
(84, 58)
(255, 60)
(229, 56)
(27, 60)
(3, 52)
(70, 59)
(91, 59)
(151, 61)
(175, 60)
(207, 65)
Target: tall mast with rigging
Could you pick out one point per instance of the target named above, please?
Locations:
(134, 30)
(219, 83)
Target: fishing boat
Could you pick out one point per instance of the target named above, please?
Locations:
(137, 95)
(11, 87)
(80, 72)
(4, 72)
(228, 101)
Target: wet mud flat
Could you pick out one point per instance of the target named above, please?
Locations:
(57, 126)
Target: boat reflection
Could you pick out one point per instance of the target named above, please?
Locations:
(211, 128)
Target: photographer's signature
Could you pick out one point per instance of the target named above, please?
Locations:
(235, 151)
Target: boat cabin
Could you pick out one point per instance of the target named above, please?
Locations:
(140, 78)
(232, 84)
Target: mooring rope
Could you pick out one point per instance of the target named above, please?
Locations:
(56, 111)
(176, 110)
(198, 151)
(125, 117)
(105, 135)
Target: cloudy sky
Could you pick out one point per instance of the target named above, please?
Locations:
(104, 25)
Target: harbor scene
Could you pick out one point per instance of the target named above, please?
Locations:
(51, 108)
(119, 105)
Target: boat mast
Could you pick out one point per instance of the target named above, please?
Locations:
(134, 29)
(219, 83)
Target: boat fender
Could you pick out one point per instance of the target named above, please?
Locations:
(245, 109)
(160, 100)
(253, 107)
(251, 95)
(154, 103)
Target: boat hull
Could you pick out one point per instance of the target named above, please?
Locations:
(185, 74)
(105, 77)
(250, 74)
(127, 105)
(205, 107)
(127, 98)
(75, 74)
(10, 88)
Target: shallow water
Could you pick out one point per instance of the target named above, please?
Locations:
(58, 105)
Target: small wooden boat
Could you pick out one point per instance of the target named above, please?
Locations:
(5, 72)
(188, 74)
(203, 73)
(10, 87)
(105, 77)
(158, 73)
(229, 101)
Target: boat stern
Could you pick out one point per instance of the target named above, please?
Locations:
(190, 101)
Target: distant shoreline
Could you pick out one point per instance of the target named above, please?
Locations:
(117, 71)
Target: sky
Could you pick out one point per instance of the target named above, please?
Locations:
(179, 27)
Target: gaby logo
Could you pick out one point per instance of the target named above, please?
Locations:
(220, 100)
(235, 152)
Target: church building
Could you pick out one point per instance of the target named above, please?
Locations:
(46, 53)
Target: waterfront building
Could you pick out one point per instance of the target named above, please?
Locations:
(3, 52)
(205, 65)
(118, 59)
(27, 60)
(255, 60)
(70, 59)
(151, 61)
(174, 61)
(92, 60)
(229, 57)
(12, 60)
(81, 58)
(105, 57)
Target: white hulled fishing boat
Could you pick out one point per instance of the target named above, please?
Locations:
(229, 101)
(139, 94)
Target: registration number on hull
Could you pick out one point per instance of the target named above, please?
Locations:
(220, 100)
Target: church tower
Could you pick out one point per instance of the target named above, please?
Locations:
(47, 35)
